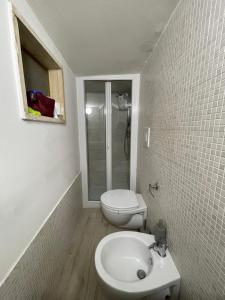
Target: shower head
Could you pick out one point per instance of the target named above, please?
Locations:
(122, 101)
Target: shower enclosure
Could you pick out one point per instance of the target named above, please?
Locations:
(108, 145)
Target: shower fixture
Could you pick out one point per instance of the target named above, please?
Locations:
(124, 105)
(122, 101)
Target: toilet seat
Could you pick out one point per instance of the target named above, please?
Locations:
(120, 211)
(120, 200)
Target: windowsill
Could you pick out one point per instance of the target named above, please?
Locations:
(30, 117)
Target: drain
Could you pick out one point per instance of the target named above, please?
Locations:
(141, 274)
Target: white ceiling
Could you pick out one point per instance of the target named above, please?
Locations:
(104, 36)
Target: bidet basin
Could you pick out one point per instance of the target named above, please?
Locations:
(122, 257)
(128, 269)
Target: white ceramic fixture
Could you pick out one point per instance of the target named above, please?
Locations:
(120, 256)
(124, 208)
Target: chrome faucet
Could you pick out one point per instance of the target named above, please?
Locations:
(159, 247)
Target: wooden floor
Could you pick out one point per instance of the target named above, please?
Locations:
(79, 281)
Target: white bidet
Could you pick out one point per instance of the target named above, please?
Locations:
(128, 269)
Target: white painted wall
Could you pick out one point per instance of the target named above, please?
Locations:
(38, 161)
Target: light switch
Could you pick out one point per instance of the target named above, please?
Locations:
(147, 131)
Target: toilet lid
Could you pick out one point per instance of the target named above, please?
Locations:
(120, 199)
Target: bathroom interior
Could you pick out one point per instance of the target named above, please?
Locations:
(112, 150)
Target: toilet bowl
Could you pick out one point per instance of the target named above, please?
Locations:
(128, 269)
(124, 208)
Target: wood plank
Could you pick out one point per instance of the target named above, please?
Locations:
(79, 279)
(30, 117)
(20, 65)
(56, 86)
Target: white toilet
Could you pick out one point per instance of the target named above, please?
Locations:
(124, 208)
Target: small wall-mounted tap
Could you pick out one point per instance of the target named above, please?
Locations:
(160, 233)
(153, 187)
(160, 248)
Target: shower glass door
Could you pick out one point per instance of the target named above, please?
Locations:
(121, 132)
(96, 138)
(108, 128)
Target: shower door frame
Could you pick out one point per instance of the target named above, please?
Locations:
(80, 86)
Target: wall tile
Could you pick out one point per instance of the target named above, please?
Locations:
(183, 101)
(37, 273)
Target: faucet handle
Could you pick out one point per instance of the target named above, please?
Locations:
(154, 186)
(159, 247)
(164, 245)
(152, 245)
(162, 242)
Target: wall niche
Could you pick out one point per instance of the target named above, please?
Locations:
(40, 76)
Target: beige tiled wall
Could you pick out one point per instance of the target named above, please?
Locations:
(183, 101)
(37, 273)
